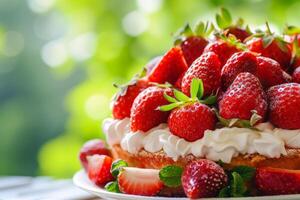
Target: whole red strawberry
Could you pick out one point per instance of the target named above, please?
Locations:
(144, 113)
(192, 42)
(92, 147)
(296, 75)
(222, 48)
(270, 73)
(292, 37)
(275, 181)
(243, 96)
(284, 105)
(124, 99)
(191, 121)
(225, 23)
(170, 67)
(207, 68)
(190, 117)
(271, 46)
(99, 169)
(237, 63)
(203, 178)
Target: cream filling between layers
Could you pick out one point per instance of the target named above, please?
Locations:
(220, 144)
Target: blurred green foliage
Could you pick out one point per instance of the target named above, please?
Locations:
(55, 110)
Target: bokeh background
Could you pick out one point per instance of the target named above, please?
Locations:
(59, 58)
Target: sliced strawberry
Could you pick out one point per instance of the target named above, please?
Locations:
(275, 181)
(207, 68)
(203, 178)
(139, 181)
(237, 63)
(92, 147)
(170, 67)
(124, 99)
(99, 169)
(296, 75)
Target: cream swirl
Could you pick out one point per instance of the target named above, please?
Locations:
(220, 144)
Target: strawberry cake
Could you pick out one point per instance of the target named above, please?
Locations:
(218, 115)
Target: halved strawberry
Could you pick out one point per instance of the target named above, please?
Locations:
(139, 181)
(92, 147)
(275, 181)
(99, 169)
(170, 67)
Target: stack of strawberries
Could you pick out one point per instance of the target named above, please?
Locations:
(233, 78)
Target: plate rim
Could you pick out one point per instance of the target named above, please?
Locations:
(77, 181)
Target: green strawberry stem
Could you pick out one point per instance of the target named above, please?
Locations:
(241, 123)
(224, 19)
(232, 40)
(180, 99)
(201, 29)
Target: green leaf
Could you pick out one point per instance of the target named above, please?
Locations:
(226, 16)
(237, 185)
(223, 19)
(267, 40)
(112, 187)
(246, 172)
(254, 118)
(169, 98)
(225, 192)
(171, 175)
(219, 21)
(210, 100)
(201, 89)
(200, 29)
(194, 87)
(116, 166)
(169, 107)
(180, 96)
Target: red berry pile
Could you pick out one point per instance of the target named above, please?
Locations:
(233, 74)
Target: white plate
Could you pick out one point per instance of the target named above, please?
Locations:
(81, 180)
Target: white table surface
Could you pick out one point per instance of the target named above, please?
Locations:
(40, 188)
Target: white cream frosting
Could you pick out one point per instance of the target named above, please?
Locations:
(220, 144)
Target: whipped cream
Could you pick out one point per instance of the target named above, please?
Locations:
(220, 144)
